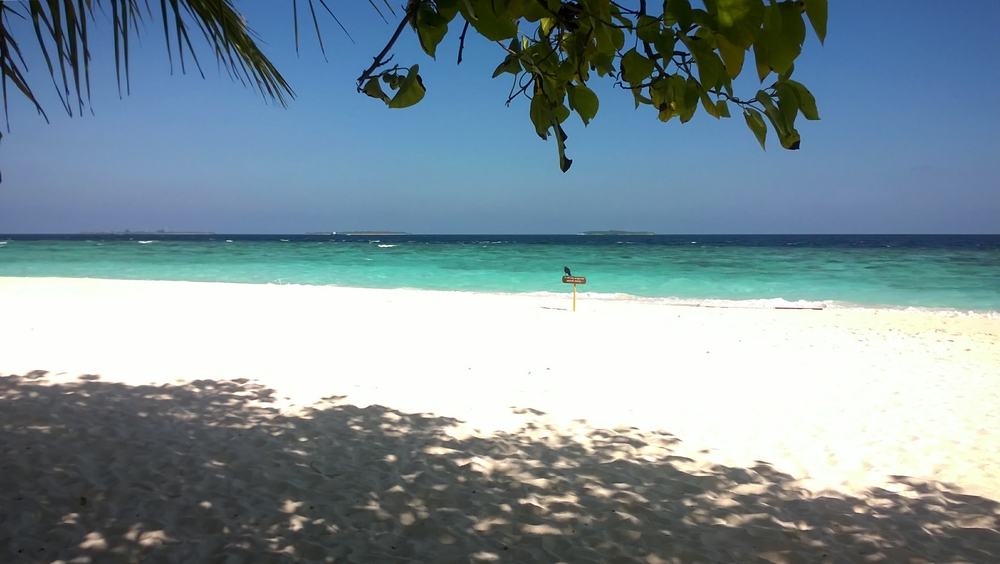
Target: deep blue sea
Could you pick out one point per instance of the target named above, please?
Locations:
(960, 272)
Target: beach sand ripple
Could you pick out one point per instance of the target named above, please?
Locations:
(221, 471)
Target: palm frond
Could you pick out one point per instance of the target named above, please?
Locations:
(387, 5)
(11, 68)
(62, 32)
(233, 43)
(319, 35)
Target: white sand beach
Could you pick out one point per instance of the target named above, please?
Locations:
(206, 422)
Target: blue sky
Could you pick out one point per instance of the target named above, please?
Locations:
(909, 142)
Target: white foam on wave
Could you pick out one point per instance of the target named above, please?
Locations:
(145, 242)
(386, 246)
(768, 303)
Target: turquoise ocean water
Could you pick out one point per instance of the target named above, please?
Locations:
(939, 271)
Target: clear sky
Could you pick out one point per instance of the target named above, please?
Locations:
(909, 142)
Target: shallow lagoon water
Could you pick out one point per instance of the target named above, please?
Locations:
(928, 271)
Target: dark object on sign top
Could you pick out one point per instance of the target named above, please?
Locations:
(566, 270)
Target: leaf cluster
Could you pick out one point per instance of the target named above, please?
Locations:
(675, 58)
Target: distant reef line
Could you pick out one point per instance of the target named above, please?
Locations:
(612, 232)
(616, 232)
(363, 233)
(160, 232)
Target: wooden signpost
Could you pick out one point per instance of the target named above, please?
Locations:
(574, 280)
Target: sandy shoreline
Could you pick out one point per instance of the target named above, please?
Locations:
(252, 422)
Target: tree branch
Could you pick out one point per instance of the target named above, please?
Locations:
(461, 42)
(379, 61)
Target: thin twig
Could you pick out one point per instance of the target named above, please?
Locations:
(625, 10)
(461, 42)
(378, 62)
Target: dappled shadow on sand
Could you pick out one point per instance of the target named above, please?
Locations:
(212, 471)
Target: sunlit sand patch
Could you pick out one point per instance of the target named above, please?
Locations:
(537, 437)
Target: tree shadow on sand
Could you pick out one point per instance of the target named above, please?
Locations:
(212, 471)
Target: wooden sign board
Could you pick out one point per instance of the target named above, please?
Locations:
(574, 280)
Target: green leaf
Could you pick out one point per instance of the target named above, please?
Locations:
(447, 8)
(817, 12)
(787, 134)
(660, 93)
(410, 91)
(605, 43)
(740, 20)
(761, 53)
(374, 89)
(665, 42)
(534, 10)
(732, 56)
(788, 103)
(603, 63)
(681, 12)
(490, 24)
(787, 74)
(709, 105)
(515, 46)
(635, 67)
(807, 103)
(701, 18)
(710, 66)
(647, 29)
(547, 25)
(786, 45)
(540, 115)
(561, 113)
(583, 101)
(791, 140)
(723, 108)
(565, 71)
(756, 124)
(564, 163)
(765, 37)
(677, 93)
(515, 9)
(776, 118)
(692, 92)
(510, 64)
(431, 28)
(617, 38)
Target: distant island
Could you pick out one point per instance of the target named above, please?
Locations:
(159, 232)
(367, 233)
(616, 232)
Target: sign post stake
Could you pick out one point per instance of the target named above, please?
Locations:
(574, 280)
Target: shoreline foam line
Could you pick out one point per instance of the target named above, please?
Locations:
(722, 303)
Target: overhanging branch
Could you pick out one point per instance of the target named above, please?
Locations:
(380, 59)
